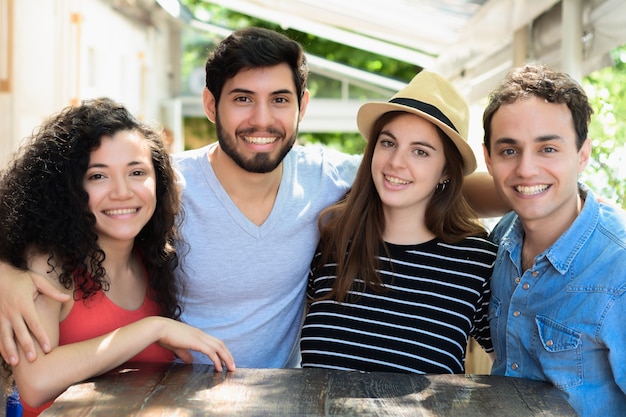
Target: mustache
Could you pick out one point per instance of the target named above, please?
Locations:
(253, 130)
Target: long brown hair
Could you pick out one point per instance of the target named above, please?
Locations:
(351, 230)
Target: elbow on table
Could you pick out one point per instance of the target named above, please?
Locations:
(36, 391)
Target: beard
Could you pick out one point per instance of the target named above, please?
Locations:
(260, 163)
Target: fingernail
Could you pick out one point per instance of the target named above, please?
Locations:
(46, 348)
(13, 360)
(30, 356)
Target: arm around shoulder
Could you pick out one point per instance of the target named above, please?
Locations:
(18, 317)
(480, 192)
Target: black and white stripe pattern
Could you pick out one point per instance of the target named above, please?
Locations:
(437, 295)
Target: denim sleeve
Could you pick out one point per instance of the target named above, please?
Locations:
(503, 225)
(613, 336)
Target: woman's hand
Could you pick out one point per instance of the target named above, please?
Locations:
(181, 338)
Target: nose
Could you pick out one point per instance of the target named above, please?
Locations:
(262, 115)
(397, 159)
(120, 189)
(527, 165)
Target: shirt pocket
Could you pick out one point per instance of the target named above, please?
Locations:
(493, 316)
(560, 355)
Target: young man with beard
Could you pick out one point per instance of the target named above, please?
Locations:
(251, 200)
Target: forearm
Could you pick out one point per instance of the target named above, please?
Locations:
(480, 192)
(52, 373)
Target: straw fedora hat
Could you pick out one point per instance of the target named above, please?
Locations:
(432, 97)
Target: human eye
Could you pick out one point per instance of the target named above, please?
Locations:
(138, 173)
(281, 100)
(420, 152)
(386, 143)
(507, 152)
(242, 99)
(549, 149)
(95, 176)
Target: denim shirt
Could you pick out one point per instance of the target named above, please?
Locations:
(564, 319)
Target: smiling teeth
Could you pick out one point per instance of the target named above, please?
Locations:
(120, 211)
(532, 190)
(396, 181)
(260, 140)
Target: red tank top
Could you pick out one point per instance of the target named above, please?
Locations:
(97, 316)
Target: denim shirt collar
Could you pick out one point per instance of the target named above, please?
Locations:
(562, 252)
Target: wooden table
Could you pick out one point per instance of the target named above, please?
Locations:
(196, 390)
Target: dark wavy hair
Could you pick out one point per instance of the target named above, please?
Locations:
(351, 231)
(536, 80)
(44, 206)
(255, 48)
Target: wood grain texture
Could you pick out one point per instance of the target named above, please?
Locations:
(196, 390)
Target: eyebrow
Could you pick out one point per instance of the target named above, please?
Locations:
(246, 91)
(540, 139)
(102, 165)
(388, 133)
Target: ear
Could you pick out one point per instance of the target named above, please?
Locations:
(304, 103)
(583, 155)
(208, 100)
(444, 176)
(487, 159)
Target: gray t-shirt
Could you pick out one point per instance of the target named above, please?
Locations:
(246, 283)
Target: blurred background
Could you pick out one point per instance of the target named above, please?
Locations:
(149, 55)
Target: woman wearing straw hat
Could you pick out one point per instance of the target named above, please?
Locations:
(401, 276)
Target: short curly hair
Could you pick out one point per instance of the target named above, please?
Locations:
(536, 80)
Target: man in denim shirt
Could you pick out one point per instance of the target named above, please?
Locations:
(559, 285)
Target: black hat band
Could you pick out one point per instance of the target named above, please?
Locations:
(426, 108)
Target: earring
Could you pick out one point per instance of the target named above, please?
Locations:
(441, 186)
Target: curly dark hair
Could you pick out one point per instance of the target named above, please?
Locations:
(537, 80)
(44, 206)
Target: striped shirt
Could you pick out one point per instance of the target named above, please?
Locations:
(436, 296)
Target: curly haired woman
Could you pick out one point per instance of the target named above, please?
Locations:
(91, 202)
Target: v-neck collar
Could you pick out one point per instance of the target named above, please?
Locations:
(254, 230)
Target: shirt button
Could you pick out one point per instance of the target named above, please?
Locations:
(514, 366)
(517, 280)
(549, 343)
(526, 286)
(516, 314)
(535, 274)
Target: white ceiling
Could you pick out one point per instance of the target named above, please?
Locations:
(472, 42)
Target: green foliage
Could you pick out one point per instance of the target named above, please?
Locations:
(313, 45)
(606, 172)
(352, 143)
(361, 59)
(198, 131)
